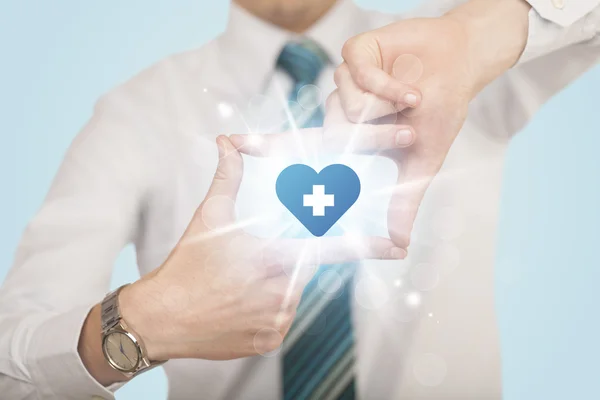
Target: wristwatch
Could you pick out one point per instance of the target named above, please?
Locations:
(122, 348)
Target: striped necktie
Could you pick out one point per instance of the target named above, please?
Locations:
(318, 352)
(303, 61)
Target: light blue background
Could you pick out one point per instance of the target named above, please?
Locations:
(58, 57)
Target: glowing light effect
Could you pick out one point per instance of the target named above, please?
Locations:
(413, 299)
(271, 166)
(225, 110)
(260, 213)
(255, 141)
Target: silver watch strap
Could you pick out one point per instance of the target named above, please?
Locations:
(110, 314)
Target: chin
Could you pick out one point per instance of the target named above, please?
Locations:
(285, 10)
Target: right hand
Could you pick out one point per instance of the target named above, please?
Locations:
(436, 65)
(225, 294)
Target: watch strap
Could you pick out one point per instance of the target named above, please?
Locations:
(109, 310)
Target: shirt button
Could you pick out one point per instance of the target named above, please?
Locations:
(559, 4)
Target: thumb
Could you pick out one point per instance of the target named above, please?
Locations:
(218, 208)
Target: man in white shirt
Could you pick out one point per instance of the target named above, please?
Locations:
(424, 327)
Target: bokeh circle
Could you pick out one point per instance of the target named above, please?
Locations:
(424, 276)
(309, 97)
(407, 68)
(330, 282)
(217, 211)
(448, 223)
(371, 292)
(430, 369)
(262, 340)
(446, 257)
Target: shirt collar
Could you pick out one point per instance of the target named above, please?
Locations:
(250, 46)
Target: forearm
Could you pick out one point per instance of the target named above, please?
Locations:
(559, 46)
(496, 32)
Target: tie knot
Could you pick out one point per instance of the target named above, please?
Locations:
(303, 61)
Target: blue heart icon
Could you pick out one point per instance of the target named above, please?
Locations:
(318, 200)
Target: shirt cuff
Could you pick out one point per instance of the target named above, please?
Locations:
(556, 24)
(563, 12)
(55, 364)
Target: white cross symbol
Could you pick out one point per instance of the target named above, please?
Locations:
(318, 200)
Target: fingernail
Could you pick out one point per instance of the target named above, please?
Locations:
(404, 137)
(398, 253)
(411, 99)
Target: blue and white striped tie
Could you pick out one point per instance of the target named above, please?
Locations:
(318, 361)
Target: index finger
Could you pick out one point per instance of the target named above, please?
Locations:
(370, 77)
(348, 138)
(359, 105)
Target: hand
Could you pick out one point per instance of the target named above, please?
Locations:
(225, 294)
(434, 67)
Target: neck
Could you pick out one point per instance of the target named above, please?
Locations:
(293, 15)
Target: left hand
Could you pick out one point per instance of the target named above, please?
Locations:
(435, 66)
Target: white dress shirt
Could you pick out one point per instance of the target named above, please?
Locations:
(425, 327)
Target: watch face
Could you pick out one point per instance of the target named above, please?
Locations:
(121, 351)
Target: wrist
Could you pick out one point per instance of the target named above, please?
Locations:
(496, 34)
(140, 308)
